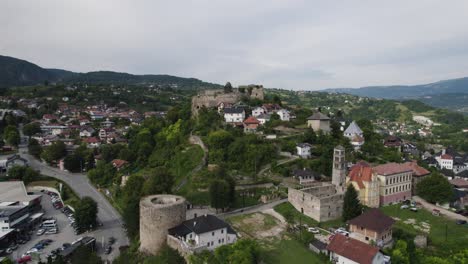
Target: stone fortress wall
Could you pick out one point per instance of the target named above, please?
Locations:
(212, 98)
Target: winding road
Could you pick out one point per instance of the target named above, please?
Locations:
(107, 214)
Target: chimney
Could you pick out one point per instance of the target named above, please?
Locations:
(194, 223)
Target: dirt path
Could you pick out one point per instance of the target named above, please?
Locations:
(195, 140)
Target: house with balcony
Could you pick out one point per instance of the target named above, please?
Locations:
(372, 227)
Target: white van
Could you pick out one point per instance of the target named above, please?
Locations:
(49, 224)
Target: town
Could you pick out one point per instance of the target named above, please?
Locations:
(234, 166)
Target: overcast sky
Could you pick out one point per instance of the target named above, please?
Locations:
(288, 44)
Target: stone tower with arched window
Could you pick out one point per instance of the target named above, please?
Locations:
(339, 169)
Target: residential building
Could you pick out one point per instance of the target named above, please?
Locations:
(284, 114)
(234, 115)
(346, 250)
(257, 111)
(355, 135)
(251, 124)
(204, 232)
(393, 142)
(303, 150)
(445, 161)
(8, 163)
(419, 173)
(372, 227)
(366, 183)
(86, 132)
(319, 122)
(263, 118)
(306, 177)
(395, 182)
(119, 164)
(92, 142)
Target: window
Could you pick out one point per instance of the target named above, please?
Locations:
(222, 231)
(212, 243)
(212, 233)
(367, 238)
(208, 244)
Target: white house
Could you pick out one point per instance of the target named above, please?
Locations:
(346, 250)
(445, 161)
(234, 115)
(86, 132)
(284, 114)
(353, 130)
(204, 232)
(263, 118)
(257, 111)
(303, 150)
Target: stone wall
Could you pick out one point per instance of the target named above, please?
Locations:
(211, 98)
(158, 213)
(321, 203)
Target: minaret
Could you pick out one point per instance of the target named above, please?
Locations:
(339, 169)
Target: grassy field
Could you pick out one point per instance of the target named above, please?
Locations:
(252, 224)
(184, 162)
(290, 251)
(445, 235)
(287, 208)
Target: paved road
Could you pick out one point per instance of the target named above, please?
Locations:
(443, 211)
(111, 219)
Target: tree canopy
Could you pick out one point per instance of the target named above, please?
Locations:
(435, 189)
(351, 206)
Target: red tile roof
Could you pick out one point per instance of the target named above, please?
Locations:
(251, 121)
(373, 219)
(352, 249)
(460, 183)
(391, 168)
(418, 171)
(446, 156)
(91, 140)
(118, 163)
(359, 173)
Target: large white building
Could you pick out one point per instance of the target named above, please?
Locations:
(204, 232)
(234, 115)
(284, 114)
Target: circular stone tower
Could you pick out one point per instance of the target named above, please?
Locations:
(158, 213)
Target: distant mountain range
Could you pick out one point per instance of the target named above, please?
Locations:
(450, 94)
(16, 72)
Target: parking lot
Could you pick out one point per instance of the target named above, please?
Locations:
(65, 232)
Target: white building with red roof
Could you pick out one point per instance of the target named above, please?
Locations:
(445, 161)
(346, 250)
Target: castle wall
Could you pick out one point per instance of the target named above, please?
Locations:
(321, 203)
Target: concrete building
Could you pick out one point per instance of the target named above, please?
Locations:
(419, 173)
(251, 124)
(159, 213)
(257, 111)
(306, 177)
(206, 232)
(284, 114)
(346, 250)
(366, 183)
(395, 181)
(303, 150)
(372, 227)
(263, 118)
(234, 115)
(319, 122)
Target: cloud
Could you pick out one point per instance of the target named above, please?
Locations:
(289, 44)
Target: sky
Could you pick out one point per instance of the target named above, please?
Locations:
(300, 45)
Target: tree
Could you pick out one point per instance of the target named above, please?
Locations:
(228, 88)
(23, 173)
(34, 148)
(54, 152)
(400, 253)
(160, 181)
(11, 135)
(351, 206)
(74, 163)
(31, 129)
(84, 255)
(435, 189)
(220, 194)
(86, 214)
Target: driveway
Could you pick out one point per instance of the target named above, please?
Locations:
(107, 214)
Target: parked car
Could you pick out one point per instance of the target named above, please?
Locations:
(51, 231)
(40, 232)
(414, 209)
(461, 222)
(108, 250)
(405, 206)
(24, 259)
(313, 230)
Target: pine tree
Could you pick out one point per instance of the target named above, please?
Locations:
(352, 206)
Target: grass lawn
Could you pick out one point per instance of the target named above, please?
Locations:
(69, 196)
(445, 234)
(287, 208)
(290, 251)
(250, 224)
(184, 162)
